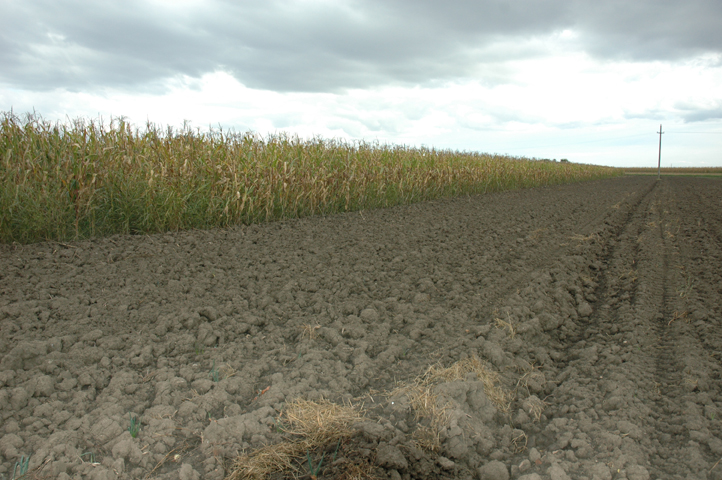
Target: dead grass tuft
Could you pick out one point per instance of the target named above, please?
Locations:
(531, 373)
(459, 370)
(309, 330)
(677, 316)
(519, 441)
(227, 371)
(535, 407)
(319, 422)
(582, 238)
(310, 425)
(507, 325)
(431, 412)
(267, 460)
(428, 437)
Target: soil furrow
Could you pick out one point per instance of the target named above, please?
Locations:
(691, 317)
(589, 387)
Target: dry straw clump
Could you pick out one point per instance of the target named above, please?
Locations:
(534, 406)
(432, 413)
(309, 426)
(531, 373)
(519, 441)
(86, 178)
(459, 370)
(506, 325)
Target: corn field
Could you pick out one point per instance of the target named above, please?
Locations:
(85, 179)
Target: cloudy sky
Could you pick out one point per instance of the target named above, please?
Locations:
(587, 80)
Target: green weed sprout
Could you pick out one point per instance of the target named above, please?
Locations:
(314, 472)
(338, 445)
(92, 457)
(280, 427)
(215, 374)
(134, 426)
(23, 465)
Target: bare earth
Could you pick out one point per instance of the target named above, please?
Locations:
(598, 304)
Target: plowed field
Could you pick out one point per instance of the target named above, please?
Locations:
(583, 324)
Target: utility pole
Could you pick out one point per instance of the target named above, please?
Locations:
(659, 158)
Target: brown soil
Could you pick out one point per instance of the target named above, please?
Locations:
(597, 304)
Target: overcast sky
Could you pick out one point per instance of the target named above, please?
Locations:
(587, 80)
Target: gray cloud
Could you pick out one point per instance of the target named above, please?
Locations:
(649, 30)
(279, 45)
(687, 112)
(691, 113)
